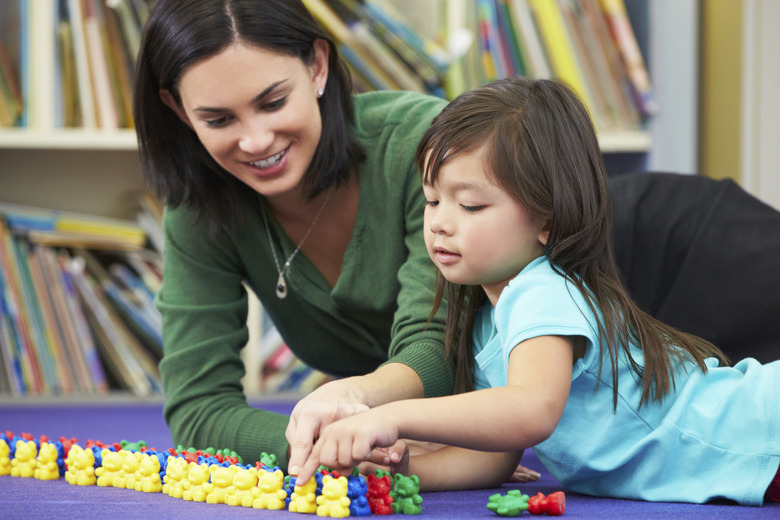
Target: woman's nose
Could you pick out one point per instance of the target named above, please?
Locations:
(255, 138)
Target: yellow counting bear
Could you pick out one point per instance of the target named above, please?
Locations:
(333, 501)
(5, 458)
(271, 495)
(148, 475)
(81, 466)
(46, 467)
(196, 484)
(129, 474)
(221, 483)
(175, 474)
(111, 468)
(245, 488)
(23, 463)
(303, 499)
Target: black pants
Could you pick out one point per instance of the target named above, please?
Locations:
(703, 256)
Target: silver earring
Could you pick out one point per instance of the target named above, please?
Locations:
(320, 92)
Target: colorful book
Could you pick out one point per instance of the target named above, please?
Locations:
(78, 317)
(31, 369)
(83, 69)
(74, 345)
(531, 46)
(625, 39)
(559, 47)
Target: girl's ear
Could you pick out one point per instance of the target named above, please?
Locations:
(544, 232)
(319, 68)
(171, 103)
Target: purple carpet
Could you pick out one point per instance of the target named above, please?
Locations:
(29, 498)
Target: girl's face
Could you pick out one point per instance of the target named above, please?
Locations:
(256, 113)
(476, 233)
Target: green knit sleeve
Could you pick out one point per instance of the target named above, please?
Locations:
(204, 309)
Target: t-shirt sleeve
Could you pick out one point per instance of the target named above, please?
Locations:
(541, 302)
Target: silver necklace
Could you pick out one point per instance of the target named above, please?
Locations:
(281, 284)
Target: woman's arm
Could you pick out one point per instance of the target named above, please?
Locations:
(503, 419)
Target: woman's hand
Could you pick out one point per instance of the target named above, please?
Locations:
(350, 441)
(323, 406)
(345, 398)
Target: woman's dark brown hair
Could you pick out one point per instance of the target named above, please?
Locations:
(180, 33)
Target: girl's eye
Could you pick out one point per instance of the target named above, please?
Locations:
(472, 209)
(431, 202)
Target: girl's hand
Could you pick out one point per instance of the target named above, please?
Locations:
(350, 441)
(325, 405)
(394, 459)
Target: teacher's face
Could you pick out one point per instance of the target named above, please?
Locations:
(256, 113)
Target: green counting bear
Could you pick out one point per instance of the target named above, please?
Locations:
(405, 494)
(511, 504)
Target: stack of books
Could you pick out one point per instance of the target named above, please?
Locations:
(76, 304)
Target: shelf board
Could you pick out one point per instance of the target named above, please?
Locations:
(79, 139)
(636, 141)
(68, 139)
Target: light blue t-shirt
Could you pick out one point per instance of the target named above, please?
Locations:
(715, 435)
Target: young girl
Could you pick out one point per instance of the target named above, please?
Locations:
(613, 402)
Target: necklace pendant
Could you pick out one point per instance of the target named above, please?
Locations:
(281, 287)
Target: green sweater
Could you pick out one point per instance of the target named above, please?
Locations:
(377, 312)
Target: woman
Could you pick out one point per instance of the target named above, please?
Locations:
(277, 178)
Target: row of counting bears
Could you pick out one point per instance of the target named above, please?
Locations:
(514, 503)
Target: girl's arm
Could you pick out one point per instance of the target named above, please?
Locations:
(503, 419)
(453, 468)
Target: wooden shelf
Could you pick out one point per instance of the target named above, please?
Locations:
(68, 139)
(80, 139)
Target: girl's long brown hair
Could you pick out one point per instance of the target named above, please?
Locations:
(542, 150)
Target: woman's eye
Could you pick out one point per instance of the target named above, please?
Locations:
(472, 209)
(217, 123)
(275, 104)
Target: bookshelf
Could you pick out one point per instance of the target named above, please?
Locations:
(96, 170)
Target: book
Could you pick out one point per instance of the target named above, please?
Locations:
(611, 69)
(68, 321)
(30, 368)
(114, 341)
(10, 95)
(9, 344)
(129, 24)
(121, 64)
(78, 317)
(39, 339)
(42, 56)
(601, 51)
(559, 47)
(71, 103)
(64, 364)
(108, 116)
(625, 39)
(45, 225)
(531, 47)
(83, 73)
(352, 50)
